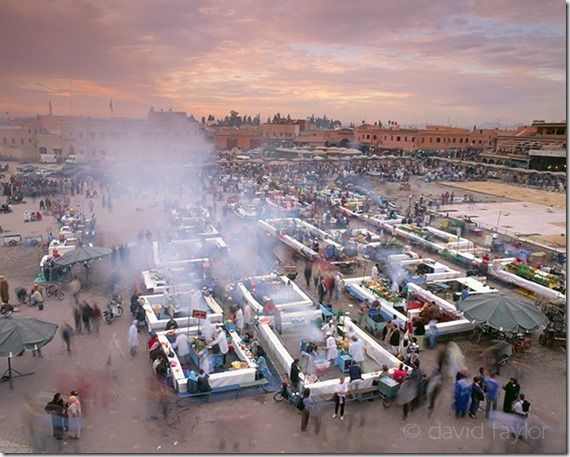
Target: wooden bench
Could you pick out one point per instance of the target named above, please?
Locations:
(362, 394)
(258, 383)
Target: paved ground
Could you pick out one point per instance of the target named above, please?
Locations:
(119, 399)
(510, 191)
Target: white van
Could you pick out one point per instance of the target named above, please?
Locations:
(48, 158)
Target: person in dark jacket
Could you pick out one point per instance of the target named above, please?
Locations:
(512, 391)
(86, 316)
(477, 396)
(134, 303)
(203, 382)
(171, 324)
(322, 290)
(55, 409)
(308, 272)
(294, 375)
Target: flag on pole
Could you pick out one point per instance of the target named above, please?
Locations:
(50, 108)
(111, 106)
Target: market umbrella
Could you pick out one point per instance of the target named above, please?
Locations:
(18, 334)
(501, 313)
(82, 254)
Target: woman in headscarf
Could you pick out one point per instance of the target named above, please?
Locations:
(74, 414)
(55, 409)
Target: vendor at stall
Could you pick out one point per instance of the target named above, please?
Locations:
(332, 352)
(329, 328)
(239, 320)
(356, 350)
(182, 348)
(208, 330)
(220, 340)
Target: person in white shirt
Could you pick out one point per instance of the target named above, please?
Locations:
(239, 320)
(182, 348)
(208, 330)
(133, 338)
(332, 352)
(329, 327)
(221, 341)
(356, 351)
(247, 314)
(374, 272)
(350, 332)
(337, 284)
(341, 390)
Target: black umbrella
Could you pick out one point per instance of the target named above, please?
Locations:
(19, 334)
(501, 313)
(82, 254)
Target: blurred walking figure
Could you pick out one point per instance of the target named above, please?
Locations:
(55, 409)
(311, 409)
(75, 287)
(74, 415)
(133, 338)
(66, 334)
(434, 386)
(337, 284)
(308, 272)
(4, 290)
(96, 316)
(86, 316)
(77, 318)
(322, 290)
(492, 394)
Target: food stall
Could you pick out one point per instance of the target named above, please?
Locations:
(366, 288)
(320, 377)
(181, 252)
(430, 237)
(157, 308)
(539, 281)
(240, 368)
(425, 270)
(302, 237)
(263, 293)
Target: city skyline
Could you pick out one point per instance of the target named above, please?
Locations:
(459, 63)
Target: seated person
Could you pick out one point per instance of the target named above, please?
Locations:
(160, 366)
(6, 309)
(192, 382)
(203, 382)
(399, 373)
(151, 341)
(171, 324)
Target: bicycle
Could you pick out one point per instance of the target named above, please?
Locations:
(53, 290)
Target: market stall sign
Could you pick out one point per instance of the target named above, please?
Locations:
(198, 314)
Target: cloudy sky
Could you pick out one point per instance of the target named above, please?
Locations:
(415, 61)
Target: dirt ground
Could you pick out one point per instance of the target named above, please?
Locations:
(119, 400)
(523, 194)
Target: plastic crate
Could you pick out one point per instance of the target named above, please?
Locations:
(388, 387)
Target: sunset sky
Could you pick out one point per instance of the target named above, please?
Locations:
(456, 61)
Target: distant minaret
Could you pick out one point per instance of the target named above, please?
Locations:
(50, 108)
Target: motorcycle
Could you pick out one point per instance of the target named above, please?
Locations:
(114, 309)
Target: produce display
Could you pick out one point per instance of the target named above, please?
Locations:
(382, 288)
(418, 232)
(535, 275)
